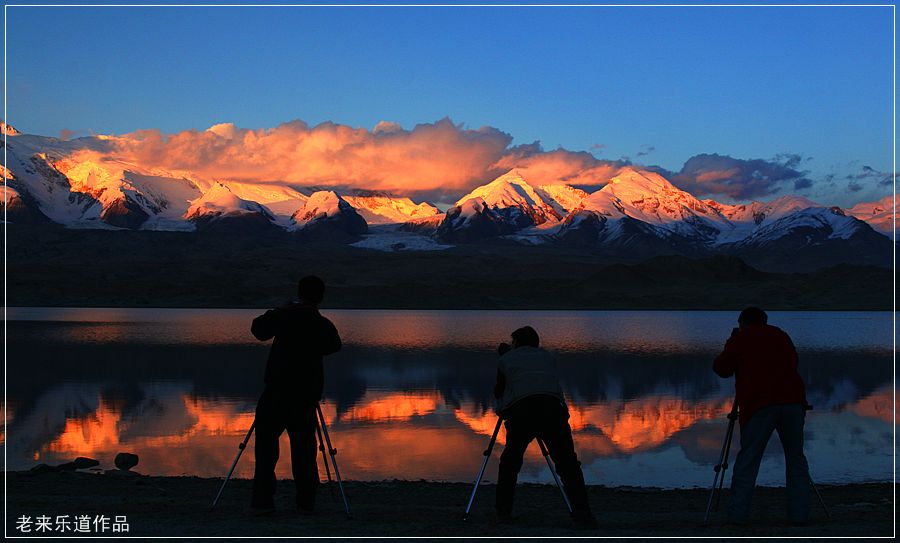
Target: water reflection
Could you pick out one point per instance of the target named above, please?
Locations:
(409, 397)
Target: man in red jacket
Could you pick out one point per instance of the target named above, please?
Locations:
(771, 397)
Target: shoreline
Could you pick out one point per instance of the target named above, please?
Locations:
(179, 506)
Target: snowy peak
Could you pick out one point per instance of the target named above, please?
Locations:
(508, 190)
(321, 205)
(326, 215)
(877, 207)
(8, 129)
(384, 209)
(518, 202)
(880, 214)
(219, 200)
(814, 224)
(786, 205)
(563, 198)
(652, 195)
(651, 198)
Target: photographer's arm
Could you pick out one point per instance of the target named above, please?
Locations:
(331, 340)
(726, 363)
(265, 326)
(500, 385)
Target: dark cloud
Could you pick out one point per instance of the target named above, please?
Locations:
(853, 186)
(869, 175)
(646, 150)
(741, 179)
(803, 183)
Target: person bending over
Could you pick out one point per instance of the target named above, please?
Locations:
(294, 380)
(770, 396)
(531, 402)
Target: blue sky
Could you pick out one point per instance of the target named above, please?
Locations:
(657, 85)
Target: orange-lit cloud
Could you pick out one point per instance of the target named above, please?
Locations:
(440, 155)
(559, 166)
(437, 158)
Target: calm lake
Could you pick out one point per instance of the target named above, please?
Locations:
(409, 396)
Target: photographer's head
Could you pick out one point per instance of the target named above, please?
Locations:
(310, 290)
(525, 336)
(752, 315)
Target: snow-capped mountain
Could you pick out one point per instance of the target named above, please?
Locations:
(378, 208)
(811, 238)
(880, 214)
(515, 201)
(327, 213)
(506, 205)
(83, 183)
(220, 200)
(651, 199)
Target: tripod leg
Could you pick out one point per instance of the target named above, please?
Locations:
(241, 448)
(332, 451)
(487, 456)
(553, 472)
(723, 462)
(325, 460)
(821, 501)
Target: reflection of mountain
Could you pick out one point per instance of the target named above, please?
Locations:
(384, 435)
(378, 407)
(878, 405)
(409, 405)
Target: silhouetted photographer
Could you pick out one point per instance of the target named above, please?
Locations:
(294, 381)
(770, 397)
(531, 402)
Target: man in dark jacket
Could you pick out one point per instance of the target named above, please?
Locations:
(294, 380)
(771, 397)
(531, 401)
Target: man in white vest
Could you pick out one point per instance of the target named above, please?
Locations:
(532, 404)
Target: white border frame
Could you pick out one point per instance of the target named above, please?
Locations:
(5, 254)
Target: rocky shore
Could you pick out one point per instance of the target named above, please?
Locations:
(179, 506)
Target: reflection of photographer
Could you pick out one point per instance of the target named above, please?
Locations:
(770, 396)
(531, 402)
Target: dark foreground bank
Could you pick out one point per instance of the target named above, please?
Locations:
(179, 506)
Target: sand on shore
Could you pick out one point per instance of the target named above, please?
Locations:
(179, 506)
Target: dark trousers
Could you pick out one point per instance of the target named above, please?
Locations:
(788, 421)
(543, 417)
(275, 413)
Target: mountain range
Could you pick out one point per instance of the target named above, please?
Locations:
(637, 214)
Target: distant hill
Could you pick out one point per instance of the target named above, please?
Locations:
(51, 266)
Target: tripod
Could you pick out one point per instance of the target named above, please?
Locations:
(487, 456)
(722, 466)
(321, 430)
